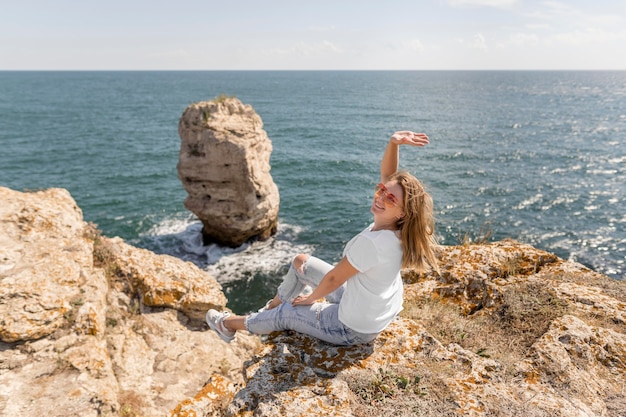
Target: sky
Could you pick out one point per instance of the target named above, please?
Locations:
(312, 35)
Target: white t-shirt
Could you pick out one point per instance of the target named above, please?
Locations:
(373, 297)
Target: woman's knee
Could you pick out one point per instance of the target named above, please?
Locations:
(299, 261)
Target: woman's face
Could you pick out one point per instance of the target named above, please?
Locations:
(387, 203)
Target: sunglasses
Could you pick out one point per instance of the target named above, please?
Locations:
(388, 198)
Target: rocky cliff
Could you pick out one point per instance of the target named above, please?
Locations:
(91, 326)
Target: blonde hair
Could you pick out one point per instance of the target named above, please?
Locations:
(417, 227)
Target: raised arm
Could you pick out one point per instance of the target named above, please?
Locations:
(391, 157)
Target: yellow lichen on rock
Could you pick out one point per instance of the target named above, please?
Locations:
(93, 326)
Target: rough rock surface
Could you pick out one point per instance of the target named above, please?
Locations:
(461, 348)
(91, 326)
(224, 165)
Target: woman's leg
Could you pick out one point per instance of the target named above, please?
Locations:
(234, 323)
(305, 271)
(320, 320)
(299, 276)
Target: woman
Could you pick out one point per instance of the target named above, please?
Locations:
(352, 302)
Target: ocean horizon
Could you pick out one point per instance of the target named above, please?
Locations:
(536, 156)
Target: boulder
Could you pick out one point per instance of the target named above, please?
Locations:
(163, 281)
(45, 264)
(224, 165)
(91, 326)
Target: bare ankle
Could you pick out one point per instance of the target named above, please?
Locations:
(227, 327)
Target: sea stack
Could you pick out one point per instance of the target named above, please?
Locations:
(224, 165)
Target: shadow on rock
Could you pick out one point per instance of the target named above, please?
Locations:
(304, 367)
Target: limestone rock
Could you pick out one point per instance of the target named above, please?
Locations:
(460, 347)
(567, 368)
(165, 281)
(45, 263)
(91, 326)
(210, 401)
(160, 358)
(224, 167)
(476, 272)
(297, 372)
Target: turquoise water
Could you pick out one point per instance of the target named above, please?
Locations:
(537, 156)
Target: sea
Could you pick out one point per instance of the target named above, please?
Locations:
(536, 156)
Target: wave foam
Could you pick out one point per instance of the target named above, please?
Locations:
(182, 237)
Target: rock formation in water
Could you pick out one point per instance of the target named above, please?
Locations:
(224, 165)
(91, 326)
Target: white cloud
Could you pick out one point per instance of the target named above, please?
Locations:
(322, 28)
(483, 34)
(552, 10)
(305, 49)
(576, 26)
(501, 4)
(521, 39)
(479, 42)
(566, 15)
(328, 46)
(607, 20)
(416, 45)
(537, 26)
(589, 36)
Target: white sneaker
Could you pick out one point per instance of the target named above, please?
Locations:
(215, 320)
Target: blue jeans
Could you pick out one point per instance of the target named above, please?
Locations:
(320, 320)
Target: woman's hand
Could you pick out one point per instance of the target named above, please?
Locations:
(389, 164)
(406, 137)
(333, 279)
(302, 300)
